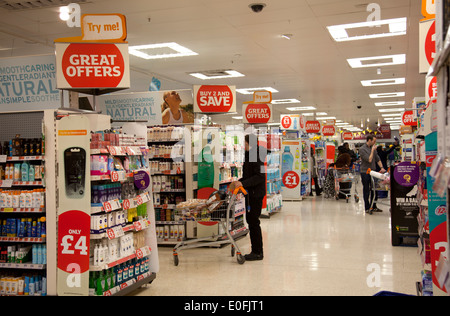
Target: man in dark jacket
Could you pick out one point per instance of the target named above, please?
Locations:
(254, 182)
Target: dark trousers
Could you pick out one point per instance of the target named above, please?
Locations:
(368, 192)
(253, 222)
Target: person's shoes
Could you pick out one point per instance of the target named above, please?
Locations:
(319, 193)
(370, 211)
(253, 257)
(376, 209)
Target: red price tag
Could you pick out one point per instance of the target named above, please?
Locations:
(114, 176)
(291, 180)
(126, 204)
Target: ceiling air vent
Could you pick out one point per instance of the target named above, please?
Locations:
(14, 5)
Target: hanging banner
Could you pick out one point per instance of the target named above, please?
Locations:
(347, 136)
(328, 130)
(408, 119)
(28, 83)
(214, 99)
(74, 222)
(427, 44)
(293, 122)
(92, 66)
(257, 113)
(313, 127)
(154, 107)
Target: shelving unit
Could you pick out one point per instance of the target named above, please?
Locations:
(30, 270)
(169, 171)
(128, 224)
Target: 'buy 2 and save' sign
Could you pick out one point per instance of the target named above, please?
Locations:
(214, 99)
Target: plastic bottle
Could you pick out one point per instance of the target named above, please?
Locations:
(43, 227)
(287, 161)
(25, 171)
(30, 173)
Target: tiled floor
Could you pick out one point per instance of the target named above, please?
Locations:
(314, 247)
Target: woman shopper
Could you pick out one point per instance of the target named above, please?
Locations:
(254, 182)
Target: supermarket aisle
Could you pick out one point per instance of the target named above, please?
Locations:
(313, 247)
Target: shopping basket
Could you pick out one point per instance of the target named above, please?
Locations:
(214, 210)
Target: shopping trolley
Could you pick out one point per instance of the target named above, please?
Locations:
(345, 175)
(221, 211)
(381, 186)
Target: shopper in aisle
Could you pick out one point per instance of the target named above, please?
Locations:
(369, 160)
(314, 173)
(254, 182)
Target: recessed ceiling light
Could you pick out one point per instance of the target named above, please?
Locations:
(387, 95)
(163, 50)
(391, 110)
(302, 108)
(223, 74)
(286, 101)
(379, 61)
(396, 103)
(324, 118)
(395, 27)
(287, 36)
(251, 90)
(392, 115)
(383, 82)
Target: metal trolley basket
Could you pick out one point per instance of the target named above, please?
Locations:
(345, 175)
(221, 211)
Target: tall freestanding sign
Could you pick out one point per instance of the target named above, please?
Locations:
(95, 63)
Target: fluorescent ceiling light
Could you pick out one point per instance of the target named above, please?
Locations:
(287, 36)
(251, 90)
(383, 82)
(321, 114)
(379, 61)
(387, 95)
(391, 110)
(286, 101)
(392, 115)
(342, 124)
(385, 28)
(302, 108)
(163, 50)
(237, 117)
(395, 127)
(395, 103)
(326, 118)
(308, 114)
(229, 74)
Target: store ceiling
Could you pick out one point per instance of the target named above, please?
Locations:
(311, 67)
